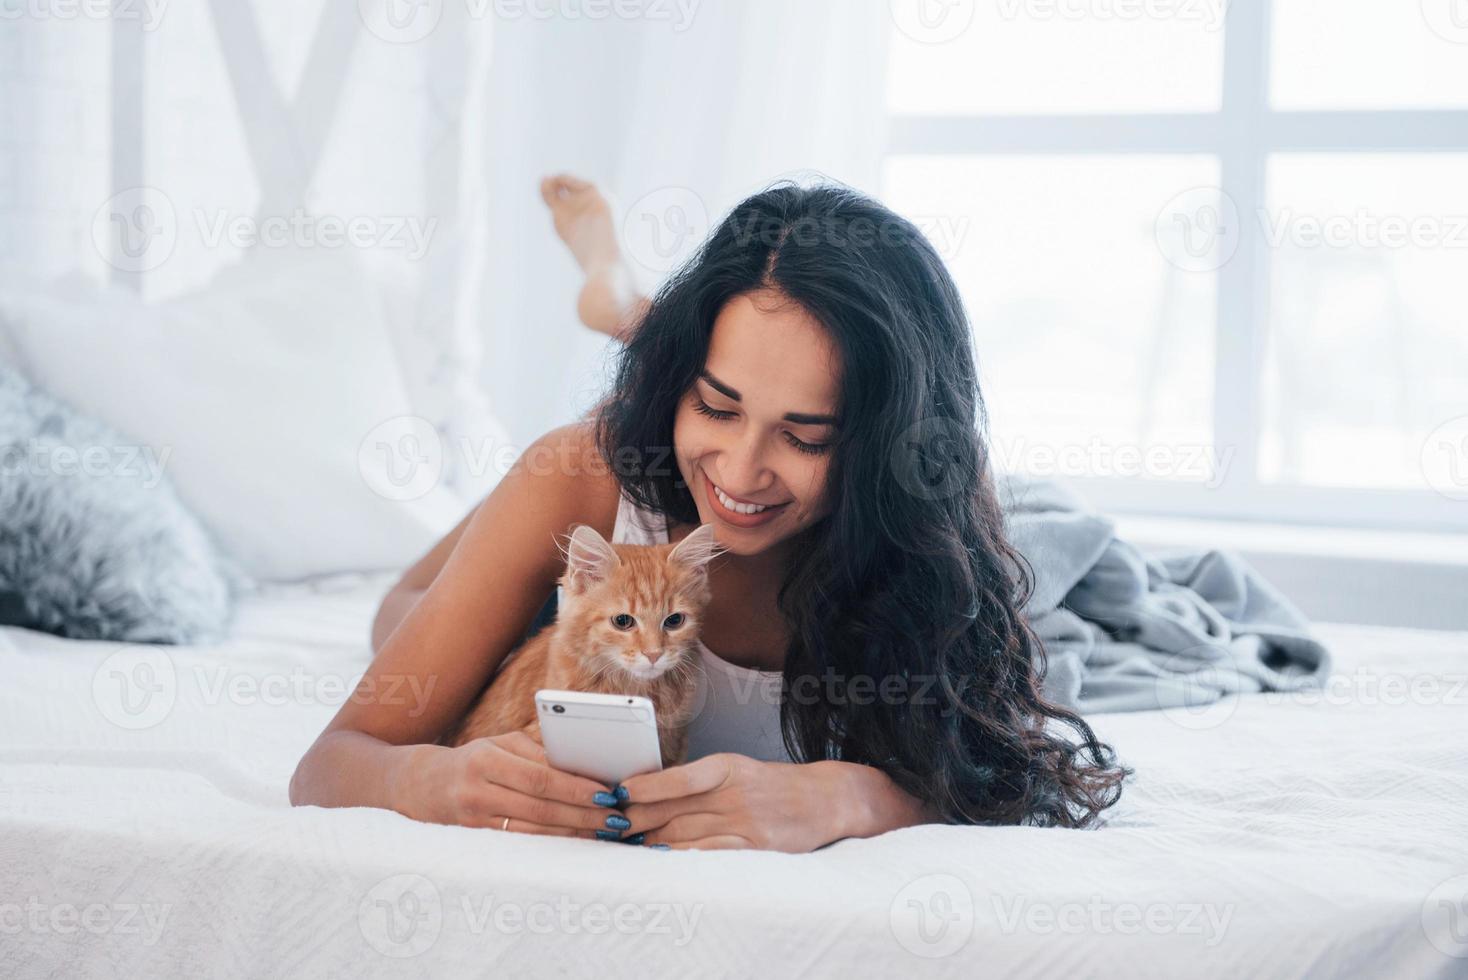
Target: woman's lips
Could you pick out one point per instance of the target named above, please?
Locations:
(734, 517)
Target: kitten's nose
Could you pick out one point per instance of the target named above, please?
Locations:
(652, 655)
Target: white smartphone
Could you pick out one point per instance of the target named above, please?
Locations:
(606, 737)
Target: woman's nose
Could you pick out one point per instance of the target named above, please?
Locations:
(744, 471)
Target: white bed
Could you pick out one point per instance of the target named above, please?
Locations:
(151, 836)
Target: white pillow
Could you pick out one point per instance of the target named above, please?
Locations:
(276, 394)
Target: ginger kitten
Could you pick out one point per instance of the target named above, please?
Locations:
(627, 623)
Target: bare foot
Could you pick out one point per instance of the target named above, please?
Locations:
(609, 301)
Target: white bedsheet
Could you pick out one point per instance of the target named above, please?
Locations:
(152, 836)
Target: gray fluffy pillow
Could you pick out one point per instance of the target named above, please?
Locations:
(94, 544)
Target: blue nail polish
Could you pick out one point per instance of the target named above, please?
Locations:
(608, 835)
(620, 792)
(634, 839)
(659, 847)
(604, 799)
(618, 822)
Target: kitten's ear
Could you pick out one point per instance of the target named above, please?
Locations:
(589, 559)
(698, 548)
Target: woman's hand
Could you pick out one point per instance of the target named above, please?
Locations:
(481, 783)
(733, 801)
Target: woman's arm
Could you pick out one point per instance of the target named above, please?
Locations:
(474, 607)
(733, 801)
(414, 583)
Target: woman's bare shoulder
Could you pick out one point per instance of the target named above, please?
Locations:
(560, 480)
(570, 466)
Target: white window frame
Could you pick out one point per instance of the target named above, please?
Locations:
(1242, 134)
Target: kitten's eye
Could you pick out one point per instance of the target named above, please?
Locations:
(673, 622)
(623, 621)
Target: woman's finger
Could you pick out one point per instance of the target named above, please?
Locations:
(720, 842)
(685, 827)
(504, 801)
(507, 768)
(522, 745)
(495, 821)
(703, 776)
(651, 816)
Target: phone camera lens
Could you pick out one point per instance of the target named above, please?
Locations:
(559, 709)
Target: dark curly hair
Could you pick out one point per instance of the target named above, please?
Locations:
(908, 586)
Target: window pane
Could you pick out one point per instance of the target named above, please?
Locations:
(1368, 352)
(1033, 56)
(1369, 54)
(1093, 346)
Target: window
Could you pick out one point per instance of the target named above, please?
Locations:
(1215, 253)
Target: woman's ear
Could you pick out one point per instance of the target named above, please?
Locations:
(698, 549)
(589, 560)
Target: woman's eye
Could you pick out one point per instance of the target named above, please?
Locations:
(673, 622)
(809, 449)
(623, 621)
(703, 408)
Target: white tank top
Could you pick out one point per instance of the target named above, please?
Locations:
(736, 709)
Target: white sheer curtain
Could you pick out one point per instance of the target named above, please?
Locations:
(677, 125)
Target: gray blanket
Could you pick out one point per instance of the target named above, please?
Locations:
(1125, 631)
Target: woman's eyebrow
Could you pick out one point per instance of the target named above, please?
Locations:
(799, 418)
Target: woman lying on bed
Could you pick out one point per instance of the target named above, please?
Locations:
(814, 356)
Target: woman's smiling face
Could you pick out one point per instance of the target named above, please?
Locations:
(756, 427)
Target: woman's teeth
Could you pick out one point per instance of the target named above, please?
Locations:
(737, 507)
